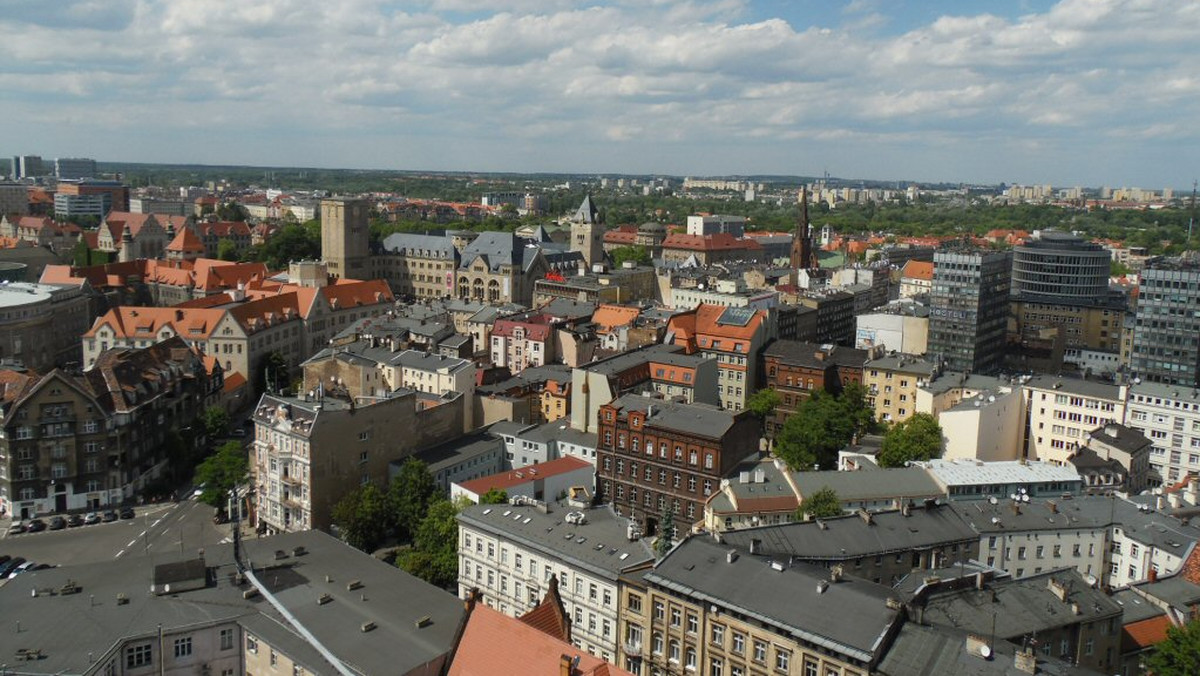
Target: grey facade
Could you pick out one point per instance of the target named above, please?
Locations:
(1062, 268)
(968, 312)
(1165, 349)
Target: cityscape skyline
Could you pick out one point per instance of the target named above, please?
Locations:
(1071, 93)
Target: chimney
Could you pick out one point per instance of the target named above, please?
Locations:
(978, 646)
(1153, 575)
(906, 508)
(836, 572)
(755, 543)
(565, 665)
(979, 580)
(1025, 661)
(1111, 430)
(866, 516)
(1057, 588)
(1053, 506)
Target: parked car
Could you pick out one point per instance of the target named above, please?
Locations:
(58, 523)
(109, 515)
(7, 568)
(16, 527)
(127, 513)
(28, 565)
(75, 520)
(43, 566)
(35, 526)
(4, 558)
(91, 518)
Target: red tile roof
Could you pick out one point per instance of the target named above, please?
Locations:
(607, 317)
(1144, 633)
(722, 241)
(516, 477)
(494, 644)
(549, 616)
(918, 270)
(186, 242)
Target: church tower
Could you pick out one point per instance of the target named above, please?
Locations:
(345, 238)
(587, 235)
(804, 255)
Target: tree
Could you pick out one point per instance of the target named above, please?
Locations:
(918, 438)
(216, 422)
(495, 496)
(666, 533)
(227, 250)
(1179, 654)
(409, 495)
(272, 371)
(636, 253)
(823, 425)
(820, 505)
(221, 472)
(291, 243)
(362, 517)
(231, 211)
(434, 554)
(763, 402)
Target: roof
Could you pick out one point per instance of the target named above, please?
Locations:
(915, 269)
(186, 242)
(816, 356)
(1085, 388)
(919, 650)
(549, 616)
(547, 533)
(969, 472)
(147, 322)
(850, 617)
(721, 241)
(885, 483)
(851, 536)
(517, 477)
(458, 451)
(587, 212)
(494, 643)
(697, 419)
(1144, 633)
(1120, 437)
(903, 363)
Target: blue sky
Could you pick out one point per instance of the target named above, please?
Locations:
(1076, 92)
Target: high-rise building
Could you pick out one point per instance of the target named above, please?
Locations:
(968, 312)
(69, 168)
(90, 198)
(27, 166)
(345, 237)
(1165, 348)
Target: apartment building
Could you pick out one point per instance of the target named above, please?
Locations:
(511, 554)
(796, 370)
(309, 452)
(1165, 349)
(525, 340)
(40, 324)
(1062, 411)
(734, 337)
(892, 383)
(916, 278)
(900, 326)
(1170, 416)
(969, 308)
(707, 609)
(656, 457)
(96, 439)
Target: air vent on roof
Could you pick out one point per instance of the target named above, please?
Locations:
(323, 599)
(353, 584)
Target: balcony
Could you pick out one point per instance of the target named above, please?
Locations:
(292, 501)
(632, 646)
(291, 479)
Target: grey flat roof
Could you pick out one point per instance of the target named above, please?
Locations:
(896, 482)
(850, 616)
(904, 363)
(457, 451)
(70, 627)
(427, 361)
(950, 380)
(698, 419)
(1084, 388)
(970, 472)
(849, 536)
(1135, 607)
(548, 533)
(919, 650)
(627, 360)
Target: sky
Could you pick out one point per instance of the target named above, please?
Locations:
(1077, 92)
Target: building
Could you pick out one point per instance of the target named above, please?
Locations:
(310, 452)
(713, 610)
(514, 553)
(1165, 349)
(1062, 411)
(1116, 457)
(524, 340)
(133, 236)
(881, 546)
(834, 314)
(41, 324)
(968, 311)
(712, 224)
(587, 234)
(916, 278)
(475, 455)
(344, 238)
(254, 614)
(546, 481)
(84, 441)
(89, 197)
(74, 168)
(27, 166)
(1067, 617)
(628, 284)
(987, 426)
(966, 479)
(682, 248)
(727, 293)
(892, 383)
(419, 265)
(1170, 416)
(656, 457)
(14, 199)
(900, 326)
(796, 370)
(734, 337)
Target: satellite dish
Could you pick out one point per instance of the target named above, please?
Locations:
(986, 651)
(993, 500)
(1024, 498)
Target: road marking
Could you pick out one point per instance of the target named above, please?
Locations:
(143, 533)
(131, 543)
(156, 522)
(119, 554)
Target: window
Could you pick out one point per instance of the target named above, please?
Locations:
(760, 652)
(739, 643)
(226, 639)
(274, 658)
(673, 654)
(783, 659)
(716, 667)
(635, 603)
(692, 623)
(718, 634)
(659, 612)
(183, 647)
(138, 656)
(676, 617)
(689, 659)
(656, 644)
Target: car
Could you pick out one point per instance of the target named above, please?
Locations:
(58, 523)
(127, 513)
(16, 527)
(91, 518)
(28, 565)
(75, 520)
(239, 432)
(44, 566)
(108, 516)
(7, 568)
(4, 558)
(35, 526)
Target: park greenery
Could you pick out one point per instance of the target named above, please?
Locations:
(822, 425)
(623, 254)
(820, 505)
(917, 438)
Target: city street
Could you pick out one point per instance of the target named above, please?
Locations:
(164, 531)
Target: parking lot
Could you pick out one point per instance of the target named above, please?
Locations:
(168, 530)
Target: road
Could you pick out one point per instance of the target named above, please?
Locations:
(165, 531)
